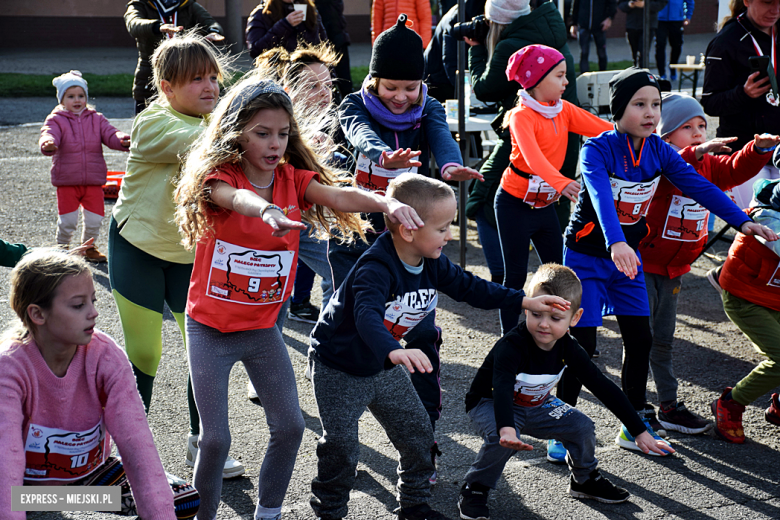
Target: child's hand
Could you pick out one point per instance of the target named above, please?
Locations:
(509, 440)
(625, 259)
(215, 37)
(170, 29)
(49, 146)
(647, 443)
(82, 249)
(125, 141)
(545, 303)
(280, 224)
(411, 358)
(400, 213)
(572, 191)
(753, 228)
(766, 140)
(400, 159)
(717, 145)
(460, 173)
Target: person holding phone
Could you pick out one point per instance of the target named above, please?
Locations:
(737, 87)
(278, 23)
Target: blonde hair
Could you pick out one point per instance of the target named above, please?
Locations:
(180, 59)
(219, 144)
(493, 36)
(419, 192)
(557, 280)
(34, 281)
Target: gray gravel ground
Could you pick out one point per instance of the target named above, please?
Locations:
(707, 479)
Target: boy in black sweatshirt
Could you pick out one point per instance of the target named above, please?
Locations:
(355, 348)
(511, 394)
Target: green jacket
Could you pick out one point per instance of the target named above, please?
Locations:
(544, 26)
(10, 254)
(143, 24)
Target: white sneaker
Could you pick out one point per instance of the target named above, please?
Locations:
(232, 468)
(251, 393)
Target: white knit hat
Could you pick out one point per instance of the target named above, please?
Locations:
(506, 11)
(71, 79)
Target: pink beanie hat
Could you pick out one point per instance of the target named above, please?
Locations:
(531, 64)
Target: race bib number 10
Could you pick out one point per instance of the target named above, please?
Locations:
(54, 454)
(632, 199)
(248, 276)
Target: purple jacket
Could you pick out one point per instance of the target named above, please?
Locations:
(78, 160)
(263, 34)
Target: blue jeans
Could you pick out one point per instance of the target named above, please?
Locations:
(553, 419)
(519, 224)
(601, 48)
(491, 245)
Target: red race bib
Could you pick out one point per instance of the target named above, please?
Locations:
(632, 199)
(54, 454)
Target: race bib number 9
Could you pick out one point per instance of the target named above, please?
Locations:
(404, 314)
(686, 220)
(248, 276)
(373, 177)
(632, 199)
(540, 194)
(532, 390)
(54, 454)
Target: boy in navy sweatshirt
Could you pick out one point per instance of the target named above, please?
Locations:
(356, 352)
(621, 170)
(511, 394)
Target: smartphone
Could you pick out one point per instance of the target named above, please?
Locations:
(759, 64)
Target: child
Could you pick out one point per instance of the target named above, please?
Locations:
(389, 118)
(247, 183)
(356, 344)
(621, 170)
(751, 299)
(148, 267)
(678, 234)
(511, 394)
(539, 126)
(74, 135)
(62, 379)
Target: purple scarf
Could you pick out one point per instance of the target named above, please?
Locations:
(396, 122)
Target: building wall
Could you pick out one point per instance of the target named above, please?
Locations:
(98, 23)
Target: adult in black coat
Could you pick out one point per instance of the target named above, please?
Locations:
(332, 14)
(591, 18)
(276, 23)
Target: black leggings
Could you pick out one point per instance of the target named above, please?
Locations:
(637, 340)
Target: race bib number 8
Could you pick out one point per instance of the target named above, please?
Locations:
(248, 276)
(54, 454)
(686, 220)
(539, 193)
(632, 199)
(373, 177)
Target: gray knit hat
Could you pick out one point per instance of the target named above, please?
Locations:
(71, 79)
(676, 110)
(506, 11)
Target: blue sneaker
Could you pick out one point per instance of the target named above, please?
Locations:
(673, 76)
(556, 453)
(628, 441)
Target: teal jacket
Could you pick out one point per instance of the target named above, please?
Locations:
(544, 26)
(10, 254)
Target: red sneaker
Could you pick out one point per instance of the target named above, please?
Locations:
(728, 419)
(772, 413)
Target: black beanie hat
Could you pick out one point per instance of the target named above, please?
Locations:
(398, 54)
(624, 85)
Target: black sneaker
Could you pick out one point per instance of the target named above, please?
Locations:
(677, 418)
(304, 311)
(598, 488)
(596, 354)
(419, 512)
(472, 502)
(648, 414)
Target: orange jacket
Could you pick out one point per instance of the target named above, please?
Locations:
(384, 14)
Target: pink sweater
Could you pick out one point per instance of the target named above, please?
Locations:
(99, 385)
(78, 160)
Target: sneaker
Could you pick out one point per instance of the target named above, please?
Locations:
(598, 488)
(628, 441)
(304, 312)
(419, 512)
(93, 255)
(677, 418)
(472, 502)
(772, 413)
(728, 418)
(673, 76)
(648, 415)
(596, 354)
(186, 499)
(556, 453)
(232, 468)
(713, 276)
(251, 393)
(435, 452)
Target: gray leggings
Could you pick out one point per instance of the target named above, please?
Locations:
(212, 355)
